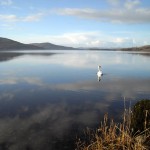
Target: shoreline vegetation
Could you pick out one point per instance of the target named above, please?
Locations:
(145, 48)
(8, 44)
(133, 133)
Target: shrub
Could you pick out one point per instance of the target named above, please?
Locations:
(140, 118)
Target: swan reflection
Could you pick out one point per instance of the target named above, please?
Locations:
(99, 78)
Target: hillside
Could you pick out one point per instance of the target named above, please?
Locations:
(50, 46)
(142, 48)
(145, 48)
(8, 44)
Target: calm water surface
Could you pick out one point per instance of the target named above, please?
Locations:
(47, 99)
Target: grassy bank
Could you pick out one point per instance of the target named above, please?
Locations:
(120, 136)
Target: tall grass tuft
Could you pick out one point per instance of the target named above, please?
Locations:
(116, 136)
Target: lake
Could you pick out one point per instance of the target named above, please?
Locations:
(47, 99)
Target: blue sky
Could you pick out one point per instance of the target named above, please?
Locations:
(78, 23)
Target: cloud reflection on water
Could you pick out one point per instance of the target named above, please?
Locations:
(43, 128)
(127, 87)
(18, 80)
(48, 99)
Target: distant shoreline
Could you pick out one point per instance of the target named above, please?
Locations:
(139, 49)
(10, 45)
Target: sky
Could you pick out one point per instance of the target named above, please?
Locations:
(77, 23)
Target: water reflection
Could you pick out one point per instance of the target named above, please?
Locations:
(47, 99)
(99, 78)
(8, 55)
(115, 85)
(45, 124)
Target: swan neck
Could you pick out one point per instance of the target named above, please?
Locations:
(99, 68)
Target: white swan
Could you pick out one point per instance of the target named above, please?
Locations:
(99, 73)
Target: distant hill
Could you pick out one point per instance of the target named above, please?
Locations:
(50, 46)
(8, 44)
(142, 48)
(145, 48)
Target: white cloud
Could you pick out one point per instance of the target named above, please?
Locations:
(77, 39)
(8, 18)
(130, 4)
(114, 2)
(7, 26)
(86, 39)
(32, 18)
(6, 2)
(121, 40)
(138, 15)
(14, 18)
(127, 11)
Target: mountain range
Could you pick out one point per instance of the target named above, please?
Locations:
(52, 46)
(8, 44)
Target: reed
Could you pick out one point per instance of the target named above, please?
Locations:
(116, 136)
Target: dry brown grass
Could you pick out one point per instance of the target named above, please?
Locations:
(113, 136)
